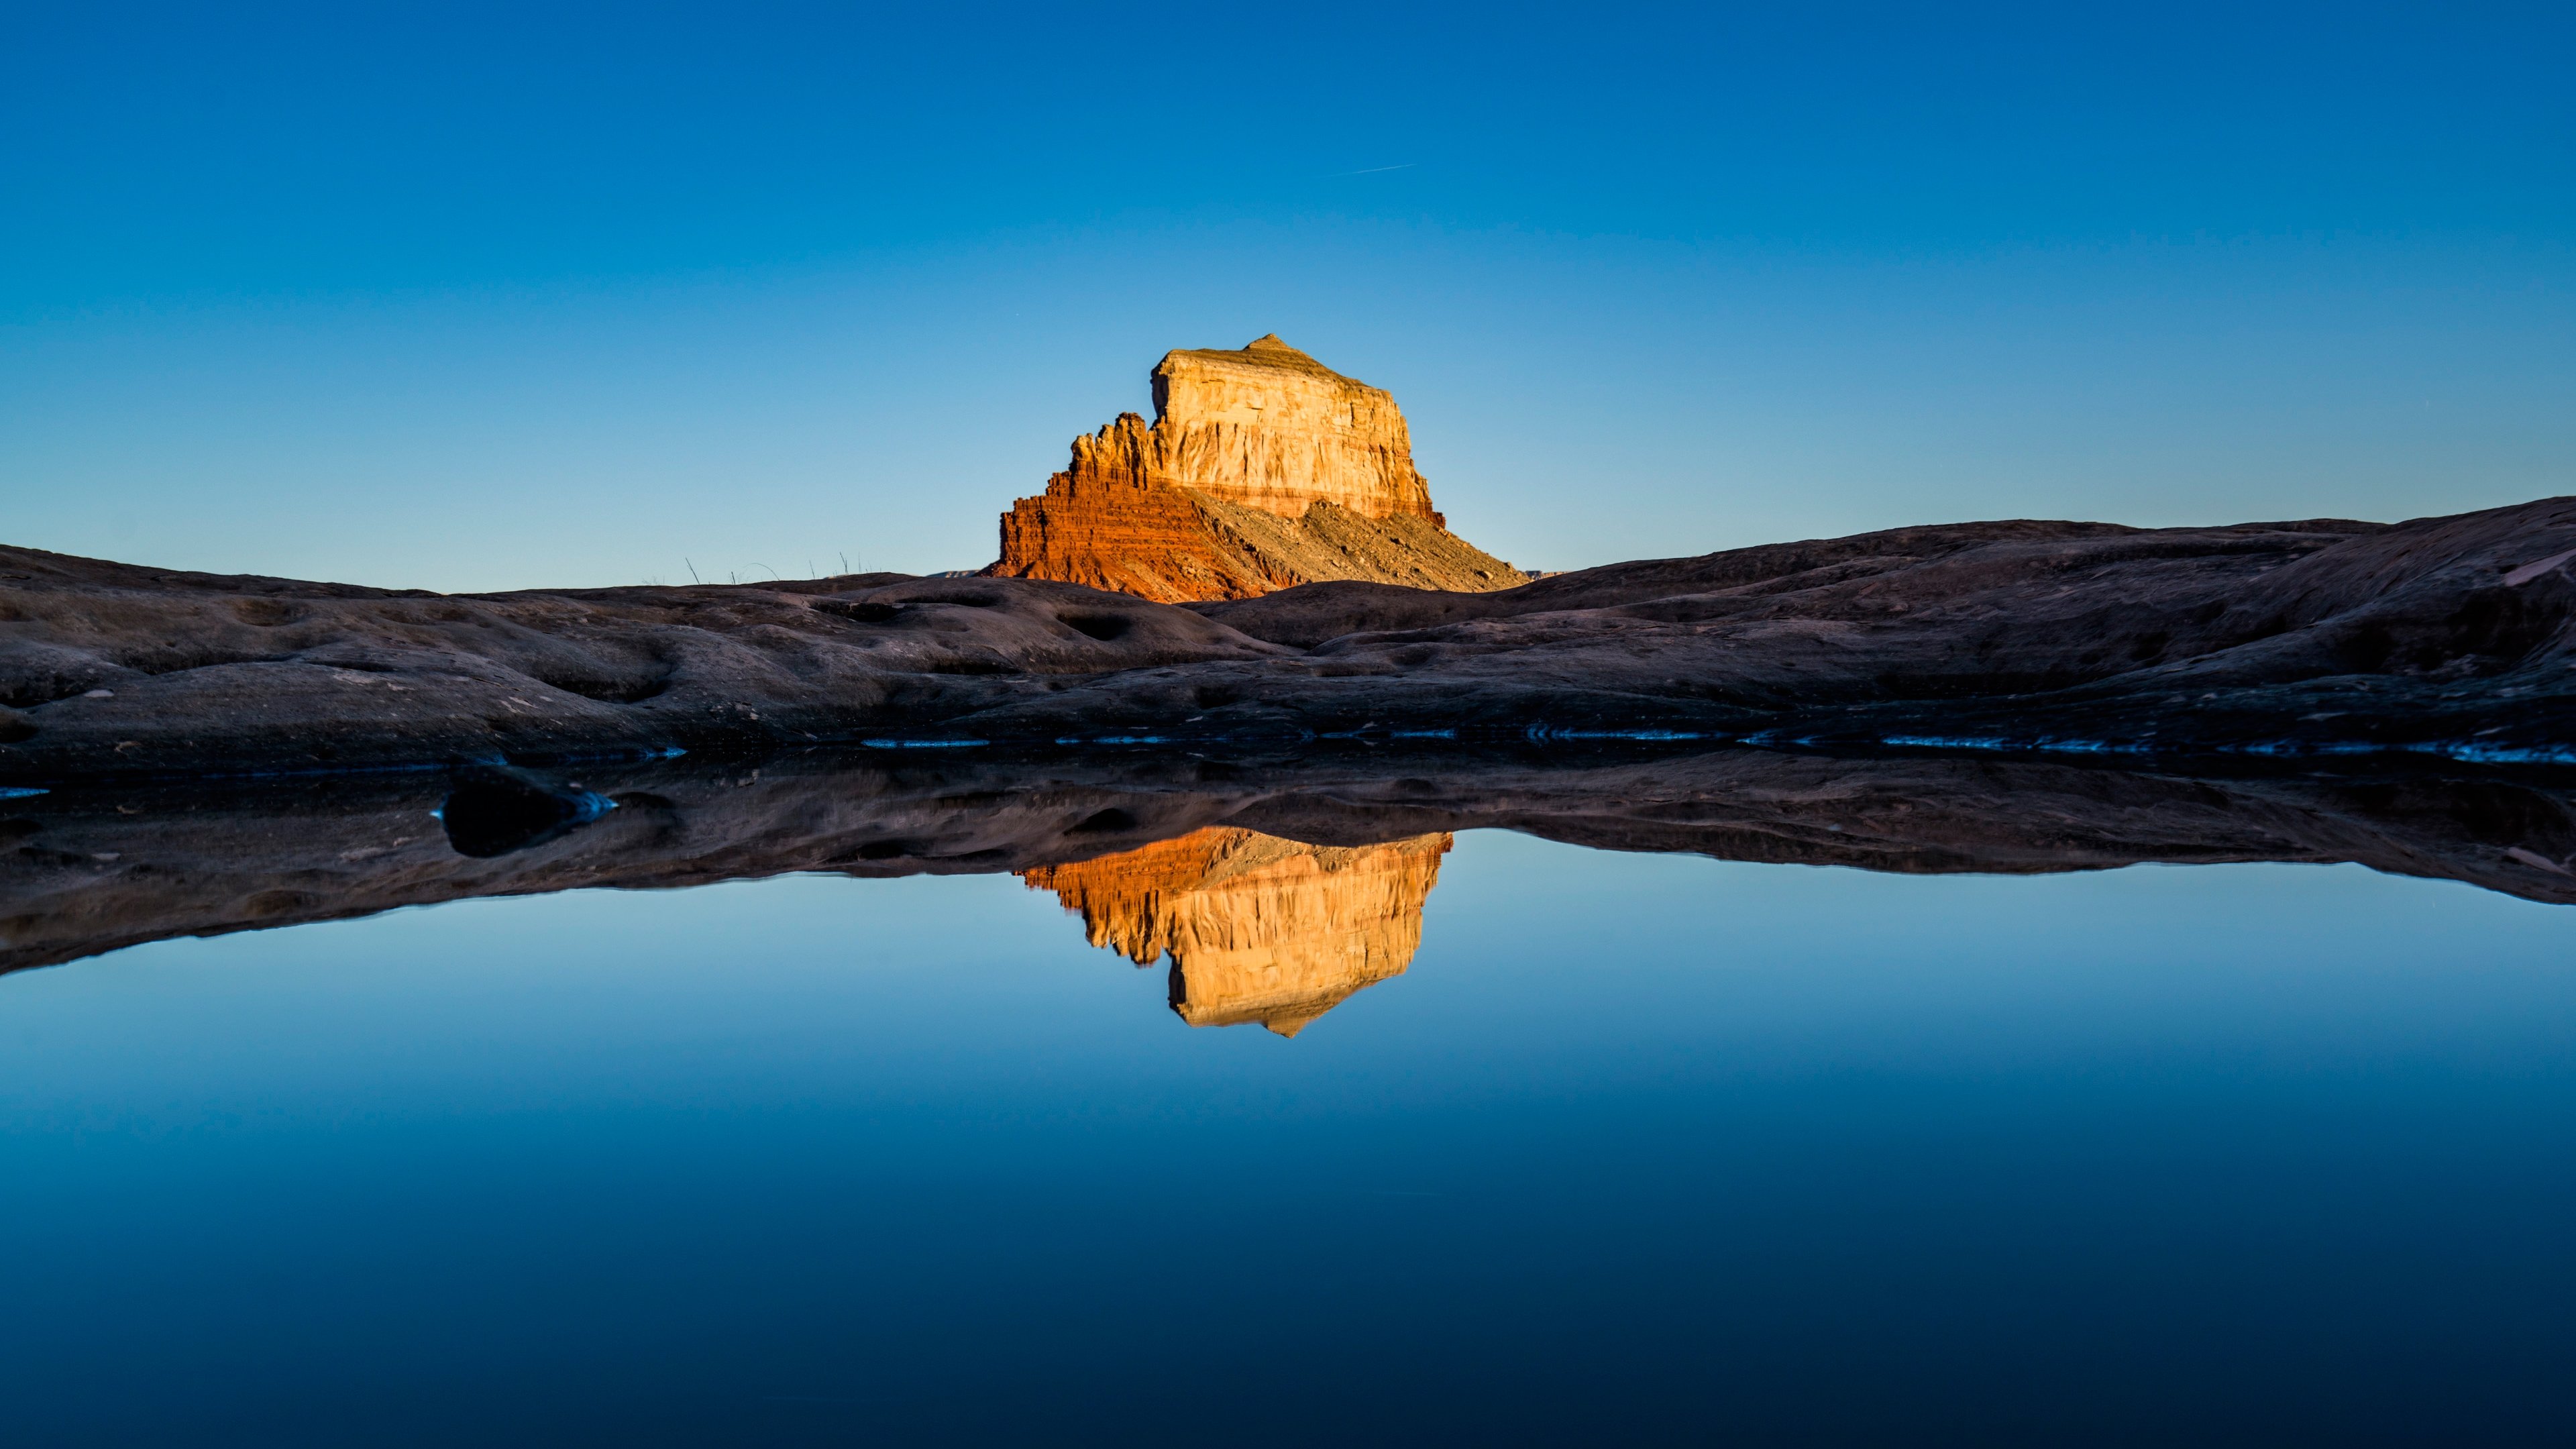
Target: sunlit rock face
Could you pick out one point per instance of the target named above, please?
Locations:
(1262, 469)
(1258, 929)
(1268, 427)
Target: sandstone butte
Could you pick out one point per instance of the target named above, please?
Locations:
(1263, 469)
(1259, 929)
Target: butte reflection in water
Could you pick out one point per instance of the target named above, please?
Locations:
(1257, 928)
(1276, 887)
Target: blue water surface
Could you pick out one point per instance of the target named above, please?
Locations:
(1642, 1149)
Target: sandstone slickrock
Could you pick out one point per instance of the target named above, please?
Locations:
(1262, 469)
(2451, 636)
(112, 667)
(94, 866)
(1258, 929)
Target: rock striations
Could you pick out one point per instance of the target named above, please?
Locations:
(1263, 469)
(1259, 929)
(1269, 427)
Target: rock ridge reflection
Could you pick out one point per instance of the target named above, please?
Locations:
(94, 867)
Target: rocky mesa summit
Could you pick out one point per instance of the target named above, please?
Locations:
(1263, 469)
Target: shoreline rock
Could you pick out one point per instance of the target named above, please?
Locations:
(2447, 636)
(96, 866)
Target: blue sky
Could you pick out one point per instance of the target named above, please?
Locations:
(464, 298)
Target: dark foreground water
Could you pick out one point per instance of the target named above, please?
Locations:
(1643, 1149)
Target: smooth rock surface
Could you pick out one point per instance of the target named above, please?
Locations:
(2449, 636)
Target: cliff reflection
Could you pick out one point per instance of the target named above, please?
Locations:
(1258, 929)
(1264, 929)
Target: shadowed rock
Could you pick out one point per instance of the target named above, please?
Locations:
(2448, 636)
(495, 810)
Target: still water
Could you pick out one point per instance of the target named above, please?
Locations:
(1540, 1144)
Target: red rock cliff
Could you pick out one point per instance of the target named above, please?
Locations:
(1262, 469)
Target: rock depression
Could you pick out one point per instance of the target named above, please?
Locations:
(1258, 928)
(1263, 469)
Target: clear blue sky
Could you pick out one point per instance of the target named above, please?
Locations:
(465, 298)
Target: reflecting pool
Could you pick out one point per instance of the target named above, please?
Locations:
(1455, 1136)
